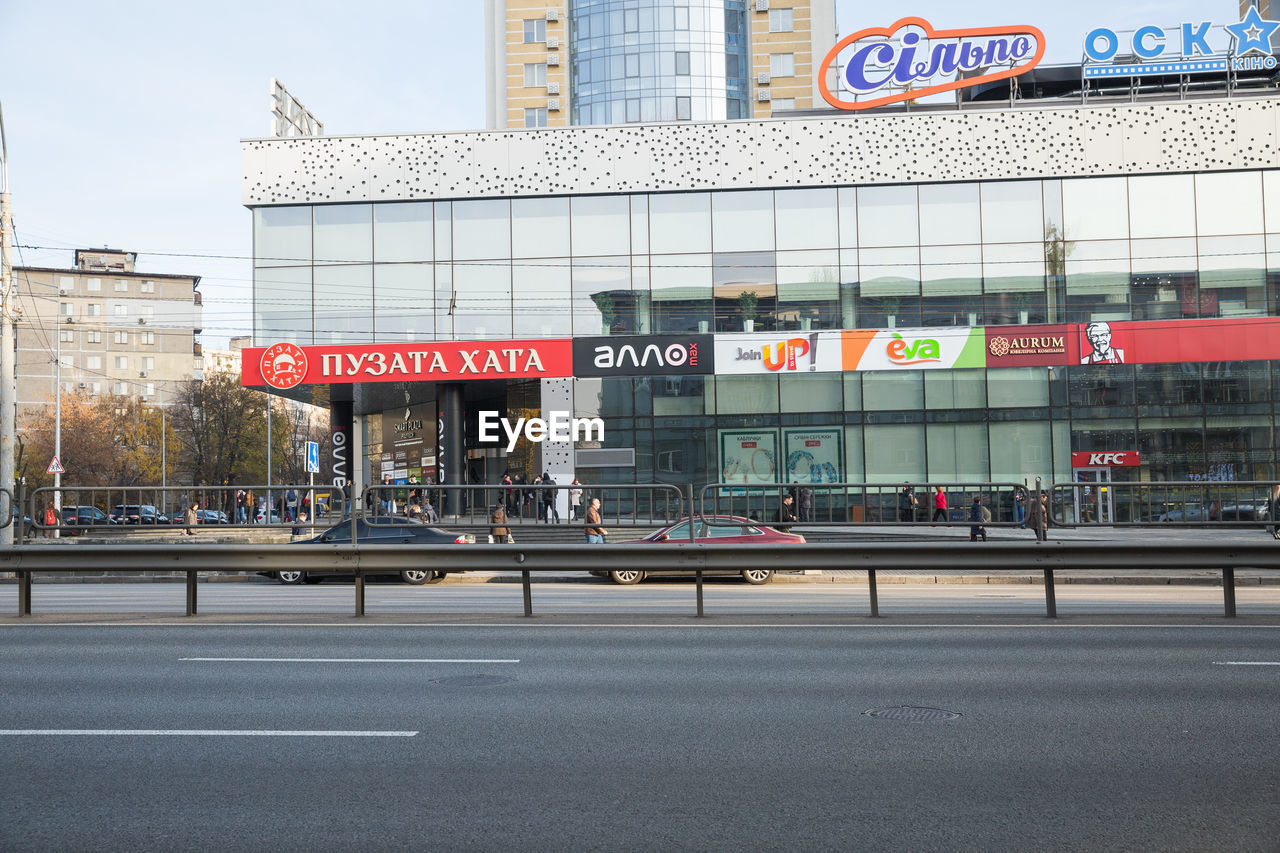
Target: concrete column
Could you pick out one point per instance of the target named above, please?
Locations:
(450, 455)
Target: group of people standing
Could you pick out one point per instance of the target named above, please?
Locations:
(537, 498)
(1028, 511)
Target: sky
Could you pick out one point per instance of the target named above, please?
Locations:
(123, 120)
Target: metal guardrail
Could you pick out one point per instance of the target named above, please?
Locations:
(1204, 503)
(861, 504)
(871, 557)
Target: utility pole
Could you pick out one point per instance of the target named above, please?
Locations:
(8, 386)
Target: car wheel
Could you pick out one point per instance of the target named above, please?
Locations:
(290, 578)
(628, 577)
(417, 577)
(756, 577)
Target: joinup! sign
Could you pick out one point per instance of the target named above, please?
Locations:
(910, 59)
(1181, 50)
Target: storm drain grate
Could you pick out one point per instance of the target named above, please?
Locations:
(913, 714)
(472, 680)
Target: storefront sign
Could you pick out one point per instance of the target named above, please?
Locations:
(538, 359)
(644, 355)
(814, 455)
(914, 349)
(1025, 346)
(778, 352)
(1114, 459)
(1184, 49)
(910, 55)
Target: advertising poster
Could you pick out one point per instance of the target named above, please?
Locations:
(778, 352)
(644, 355)
(915, 349)
(814, 455)
(749, 457)
(1027, 346)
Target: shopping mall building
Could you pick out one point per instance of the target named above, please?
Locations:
(1052, 280)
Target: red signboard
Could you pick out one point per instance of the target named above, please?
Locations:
(1105, 459)
(549, 358)
(1025, 346)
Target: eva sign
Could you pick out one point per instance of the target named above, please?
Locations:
(1110, 459)
(910, 59)
(915, 349)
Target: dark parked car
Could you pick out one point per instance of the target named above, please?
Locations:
(385, 530)
(211, 516)
(712, 529)
(137, 514)
(84, 516)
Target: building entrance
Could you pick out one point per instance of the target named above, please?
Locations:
(1094, 498)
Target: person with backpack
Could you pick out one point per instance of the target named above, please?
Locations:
(290, 505)
(978, 516)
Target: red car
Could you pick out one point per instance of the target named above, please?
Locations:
(723, 529)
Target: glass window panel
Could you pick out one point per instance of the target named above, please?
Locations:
(889, 272)
(815, 392)
(737, 277)
(676, 395)
(539, 227)
(1271, 199)
(343, 304)
(808, 291)
(1011, 212)
(444, 301)
(343, 233)
(1239, 448)
(1162, 206)
(806, 219)
(746, 395)
(1100, 385)
(282, 305)
(958, 452)
(281, 236)
(853, 467)
(955, 389)
(541, 296)
(680, 287)
(481, 229)
(402, 231)
(1229, 203)
(950, 270)
(1098, 281)
(888, 216)
(1163, 284)
(1172, 448)
(1017, 387)
(600, 225)
(742, 221)
(1013, 267)
(848, 203)
(1096, 208)
(892, 390)
(1167, 384)
(1020, 450)
(444, 231)
(949, 214)
(1233, 280)
(1236, 382)
(602, 296)
(852, 391)
(680, 222)
(482, 299)
(639, 225)
(894, 453)
(403, 302)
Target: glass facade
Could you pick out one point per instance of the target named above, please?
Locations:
(1160, 247)
(659, 60)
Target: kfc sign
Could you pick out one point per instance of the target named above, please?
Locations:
(539, 359)
(1118, 459)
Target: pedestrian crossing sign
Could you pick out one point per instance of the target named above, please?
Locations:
(55, 467)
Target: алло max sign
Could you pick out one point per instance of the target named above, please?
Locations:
(648, 355)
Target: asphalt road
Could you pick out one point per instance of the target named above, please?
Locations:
(722, 597)
(679, 737)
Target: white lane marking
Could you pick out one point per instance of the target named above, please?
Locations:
(1246, 663)
(197, 733)
(353, 660)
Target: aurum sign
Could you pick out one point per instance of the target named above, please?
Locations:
(906, 58)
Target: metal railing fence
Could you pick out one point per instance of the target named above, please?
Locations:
(861, 504)
(1205, 503)
(361, 560)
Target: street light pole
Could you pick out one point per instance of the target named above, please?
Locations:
(8, 387)
(57, 416)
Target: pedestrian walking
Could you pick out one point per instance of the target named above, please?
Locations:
(806, 504)
(575, 499)
(1038, 516)
(290, 505)
(250, 506)
(907, 502)
(549, 508)
(50, 520)
(499, 531)
(786, 514)
(1020, 507)
(241, 506)
(939, 505)
(508, 494)
(979, 515)
(595, 532)
(191, 519)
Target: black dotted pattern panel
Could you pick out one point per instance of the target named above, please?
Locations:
(927, 147)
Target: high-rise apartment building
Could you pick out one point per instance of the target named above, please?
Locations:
(113, 330)
(554, 63)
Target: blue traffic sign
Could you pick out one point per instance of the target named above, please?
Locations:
(313, 457)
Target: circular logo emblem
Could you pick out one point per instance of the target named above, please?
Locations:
(999, 346)
(283, 365)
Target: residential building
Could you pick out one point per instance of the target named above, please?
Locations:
(555, 63)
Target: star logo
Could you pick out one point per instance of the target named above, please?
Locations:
(1252, 33)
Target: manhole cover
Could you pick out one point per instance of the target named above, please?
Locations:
(471, 680)
(912, 714)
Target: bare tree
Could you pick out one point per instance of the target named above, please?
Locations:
(221, 430)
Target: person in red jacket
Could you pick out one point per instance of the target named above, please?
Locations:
(939, 504)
